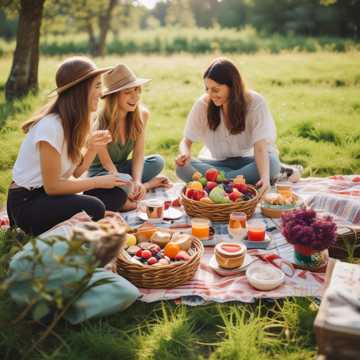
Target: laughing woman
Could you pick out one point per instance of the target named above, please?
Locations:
(126, 119)
(43, 195)
(235, 125)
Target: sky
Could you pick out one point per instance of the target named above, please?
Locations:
(148, 3)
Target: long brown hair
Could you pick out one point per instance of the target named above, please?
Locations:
(224, 72)
(108, 119)
(72, 106)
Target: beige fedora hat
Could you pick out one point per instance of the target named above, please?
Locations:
(120, 78)
(73, 71)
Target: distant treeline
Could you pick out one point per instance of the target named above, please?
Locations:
(169, 41)
(339, 18)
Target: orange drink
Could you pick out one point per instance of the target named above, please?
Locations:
(237, 225)
(200, 228)
(256, 230)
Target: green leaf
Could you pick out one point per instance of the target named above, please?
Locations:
(40, 310)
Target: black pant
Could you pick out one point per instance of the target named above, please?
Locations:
(35, 212)
(114, 199)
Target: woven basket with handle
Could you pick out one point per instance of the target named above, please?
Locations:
(160, 276)
(220, 212)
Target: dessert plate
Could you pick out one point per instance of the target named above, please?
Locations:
(228, 272)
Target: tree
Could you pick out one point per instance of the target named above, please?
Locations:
(179, 13)
(90, 16)
(23, 76)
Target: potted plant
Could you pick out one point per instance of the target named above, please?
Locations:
(311, 235)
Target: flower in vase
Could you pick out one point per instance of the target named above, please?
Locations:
(304, 227)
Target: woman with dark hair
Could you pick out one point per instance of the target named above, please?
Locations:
(236, 127)
(42, 193)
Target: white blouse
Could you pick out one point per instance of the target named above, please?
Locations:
(221, 144)
(27, 169)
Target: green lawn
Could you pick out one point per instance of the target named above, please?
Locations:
(316, 105)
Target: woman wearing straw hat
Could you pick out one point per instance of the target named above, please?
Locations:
(42, 193)
(125, 118)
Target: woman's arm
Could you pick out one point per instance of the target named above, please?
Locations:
(138, 152)
(106, 161)
(50, 163)
(185, 152)
(262, 163)
(97, 142)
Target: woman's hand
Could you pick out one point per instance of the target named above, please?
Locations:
(99, 139)
(263, 185)
(182, 159)
(138, 192)
(108, 181)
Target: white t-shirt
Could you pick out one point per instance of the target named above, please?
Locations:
(27, 169)
(221, 144)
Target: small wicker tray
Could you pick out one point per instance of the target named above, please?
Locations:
(220, 212)
(160, 276)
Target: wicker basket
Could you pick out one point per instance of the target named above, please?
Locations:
(347, 244)
(220, 212)
(160, 276)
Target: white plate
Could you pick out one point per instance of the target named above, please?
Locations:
(228, 272)
(169, 214)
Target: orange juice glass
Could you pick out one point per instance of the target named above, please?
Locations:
(200, 228)
(237, 220)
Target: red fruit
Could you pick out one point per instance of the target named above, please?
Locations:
(154, 249)
(167, 204)
(234, 196)
(176, 202)
(152, 261)
(182, 255)
(146, 254)
(198, 194)
(211, 184)
(139, 253)
(189, 193)
(241, 187)
(211, 174)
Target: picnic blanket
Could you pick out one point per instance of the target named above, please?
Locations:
(338, 196)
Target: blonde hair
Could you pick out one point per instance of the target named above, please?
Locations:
(108, 119)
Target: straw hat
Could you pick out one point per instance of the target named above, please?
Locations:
(73, 71)
(120, 78)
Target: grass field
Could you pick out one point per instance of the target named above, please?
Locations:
(316, 105)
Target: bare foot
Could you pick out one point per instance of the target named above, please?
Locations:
(129, 205)
(158, 181)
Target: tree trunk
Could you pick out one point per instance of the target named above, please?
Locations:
(24, 71)
(104, 26)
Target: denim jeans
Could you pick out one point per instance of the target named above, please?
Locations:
(231, 167)
(153, 165)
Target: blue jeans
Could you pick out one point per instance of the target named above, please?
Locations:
(115, 198)
(153, 165)
(231, 167)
